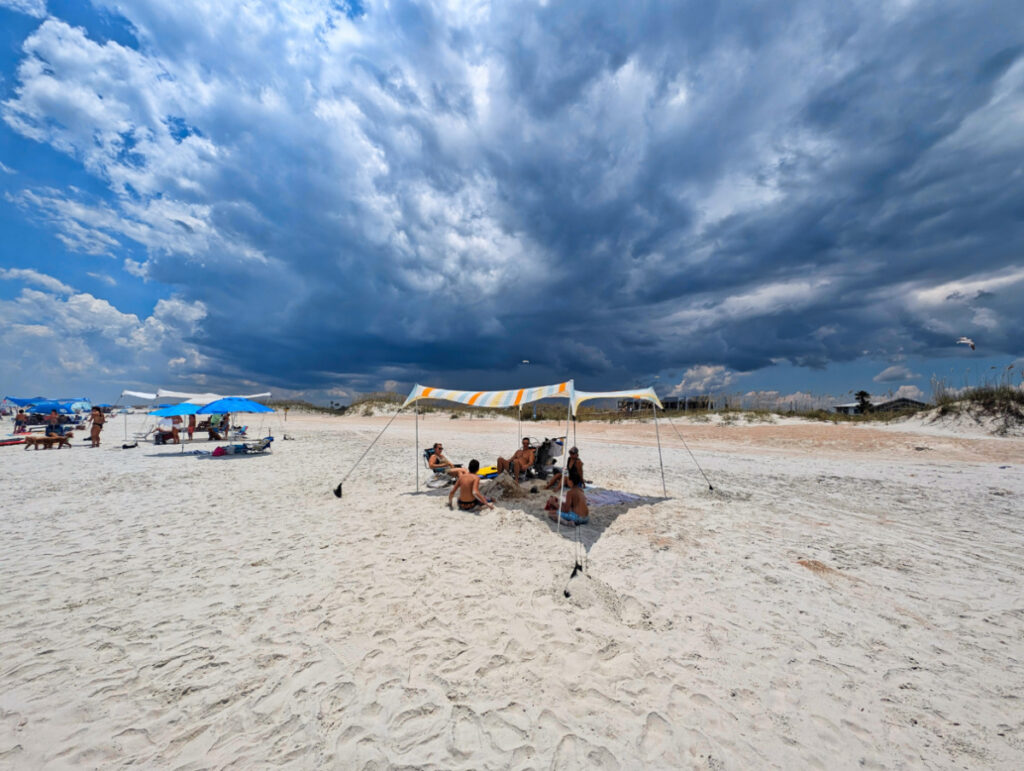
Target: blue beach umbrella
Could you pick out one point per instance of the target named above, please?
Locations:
(176, 410)
(232, 404)
(63, 408)
(20, 402)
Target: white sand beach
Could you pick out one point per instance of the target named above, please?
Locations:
(847, 597)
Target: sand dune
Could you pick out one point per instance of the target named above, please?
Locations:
(845, 598)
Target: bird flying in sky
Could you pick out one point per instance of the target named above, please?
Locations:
(966, 341)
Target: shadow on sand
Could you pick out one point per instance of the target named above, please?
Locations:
(602, 516)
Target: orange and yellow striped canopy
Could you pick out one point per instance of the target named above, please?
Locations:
(496, 399)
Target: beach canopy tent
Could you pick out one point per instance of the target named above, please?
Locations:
(232, 404)
(20, 402)
(515, 397)
(139, 395)
(204, 399)
(63, 406)
(643, 394)
(176, 410)
(493, 399)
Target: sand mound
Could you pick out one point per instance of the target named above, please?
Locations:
(503, 487)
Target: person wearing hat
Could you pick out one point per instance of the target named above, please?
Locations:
(573, 463)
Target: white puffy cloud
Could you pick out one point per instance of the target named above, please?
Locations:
(62, 338)
(895, 373)
(705, 378)
(36, 8)
(909, 392)
(29, 276)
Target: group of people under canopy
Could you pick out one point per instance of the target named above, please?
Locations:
(570, 507)
(466, 481)
(217, 424)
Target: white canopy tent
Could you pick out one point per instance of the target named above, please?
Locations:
(145, 396)
(201, 399)
(138, 395)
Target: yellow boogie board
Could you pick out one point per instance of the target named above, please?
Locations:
(486, 472)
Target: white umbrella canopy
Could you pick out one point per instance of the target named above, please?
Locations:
(202, 399)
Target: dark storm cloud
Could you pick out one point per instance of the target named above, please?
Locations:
(606, 191)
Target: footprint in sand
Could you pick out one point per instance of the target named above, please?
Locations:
(657, 743)
(467, 737)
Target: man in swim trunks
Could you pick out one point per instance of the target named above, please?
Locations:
(574, 507)
(521, 460)
(467, 483)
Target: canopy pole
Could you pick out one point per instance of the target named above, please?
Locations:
(520, 407)
(126, 426)
(561, 481)
(338, 489)
(661, 463)
(416, 452)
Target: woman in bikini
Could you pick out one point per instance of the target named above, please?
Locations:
(574, 462)
(97, 418)
(468, 485)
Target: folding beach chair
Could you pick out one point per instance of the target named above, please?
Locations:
(441, 476)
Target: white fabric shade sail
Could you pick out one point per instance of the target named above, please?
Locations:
(642, 394)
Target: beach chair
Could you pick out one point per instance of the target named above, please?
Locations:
(259, 447)
(441, 477)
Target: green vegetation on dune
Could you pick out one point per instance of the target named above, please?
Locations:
(300, 405)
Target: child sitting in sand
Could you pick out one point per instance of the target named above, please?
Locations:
(574, 507)
(467, 483)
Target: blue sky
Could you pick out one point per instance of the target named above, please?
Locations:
(323, 198)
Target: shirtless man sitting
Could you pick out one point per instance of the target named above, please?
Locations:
(438, 462)
(574, 508)
(520, 461)
(467, 483)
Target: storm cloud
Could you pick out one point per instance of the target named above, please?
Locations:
(399, 191)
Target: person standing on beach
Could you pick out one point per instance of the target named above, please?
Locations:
(191, 426)
(20, 422)
(97, 418)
